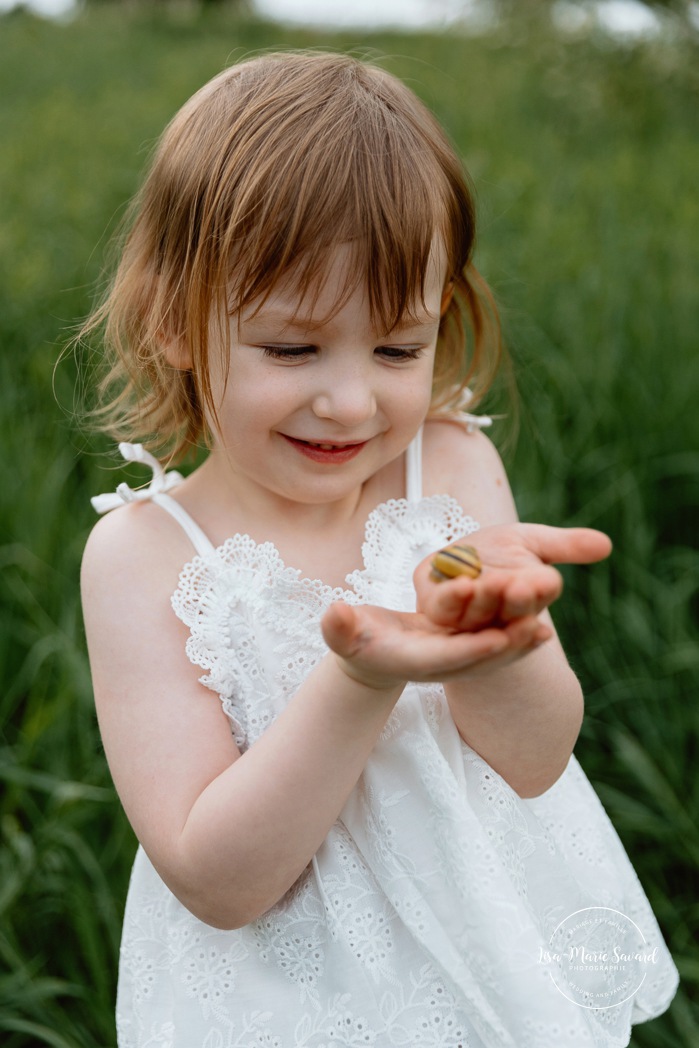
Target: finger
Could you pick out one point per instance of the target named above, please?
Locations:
(445, 655)
(447, 603)
(486, 603)
(339, 629)
(566, 545)
(522, 637)
(522, 643)
(466, 604)
(525, 632)
(498, 596)
(531, 592)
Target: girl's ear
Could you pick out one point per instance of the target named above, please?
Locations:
(447, 296)
(175, 351)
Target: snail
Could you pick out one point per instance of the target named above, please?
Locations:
(455, 560)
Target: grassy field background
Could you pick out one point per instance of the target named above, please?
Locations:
(585, 154)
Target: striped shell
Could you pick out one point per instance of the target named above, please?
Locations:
(456, 560)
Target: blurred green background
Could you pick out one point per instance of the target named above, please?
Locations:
(585, 154)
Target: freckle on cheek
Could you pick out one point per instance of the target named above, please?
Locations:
(498, 482)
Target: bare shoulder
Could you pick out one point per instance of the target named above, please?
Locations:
(467, 466)
(129, 540)
(130, 569)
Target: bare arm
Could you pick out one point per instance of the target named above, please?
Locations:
(524, 720)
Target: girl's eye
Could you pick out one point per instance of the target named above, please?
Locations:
(287, 352)
(400, 352)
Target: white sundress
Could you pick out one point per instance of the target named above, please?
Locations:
(424, 917)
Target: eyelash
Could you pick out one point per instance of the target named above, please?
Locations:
(286, 352)
(397, 353)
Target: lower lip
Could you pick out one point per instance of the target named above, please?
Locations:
(335, 457)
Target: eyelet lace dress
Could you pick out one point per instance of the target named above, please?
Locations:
(426, 918)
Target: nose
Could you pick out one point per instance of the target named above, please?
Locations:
(346, 396)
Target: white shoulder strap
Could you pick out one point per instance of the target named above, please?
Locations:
(413, 468)
(201, 543)
(156, 491)
(413, 455)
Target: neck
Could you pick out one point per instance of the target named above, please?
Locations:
(236, 497)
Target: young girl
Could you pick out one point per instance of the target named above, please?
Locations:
(374, 833)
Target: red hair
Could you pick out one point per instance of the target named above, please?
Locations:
(267, 168)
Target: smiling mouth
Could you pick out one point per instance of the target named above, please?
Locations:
(327, 446)
(326, 451)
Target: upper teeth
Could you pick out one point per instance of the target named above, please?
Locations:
(323, 447)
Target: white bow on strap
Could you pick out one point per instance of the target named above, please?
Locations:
(472, 422)
(459, 414)
(161, 481)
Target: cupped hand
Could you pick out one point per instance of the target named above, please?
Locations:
(464, 626)
(517, 580)
(383, 648)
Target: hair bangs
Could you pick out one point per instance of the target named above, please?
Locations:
(349, 171)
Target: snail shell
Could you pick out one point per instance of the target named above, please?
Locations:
(456, 560)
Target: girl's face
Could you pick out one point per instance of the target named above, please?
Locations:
(317, 401)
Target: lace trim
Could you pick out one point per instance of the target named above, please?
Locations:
(253, 620)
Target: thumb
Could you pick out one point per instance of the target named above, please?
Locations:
(339, 629)
(567, 545)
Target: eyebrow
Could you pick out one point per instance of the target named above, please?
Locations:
(300, 323)
(284, 320)
(415, 322)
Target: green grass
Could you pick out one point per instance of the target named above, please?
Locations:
(585, 156)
